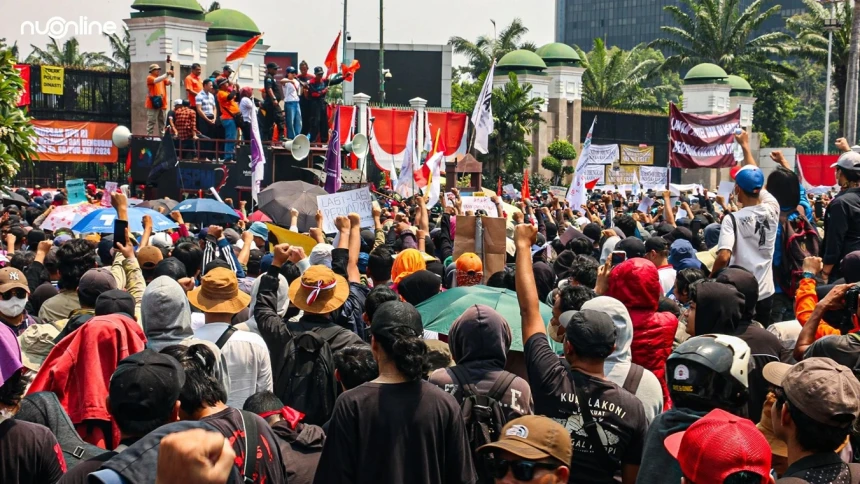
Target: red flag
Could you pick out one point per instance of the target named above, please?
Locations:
(24, 95)
(422, 176)
(348, 71)
(331, 58)
(128, 161)
(499, 187)
(244, 49)
(526, 193)
(590, 185)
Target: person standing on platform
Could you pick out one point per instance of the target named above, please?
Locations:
(206, 118)
(193, 85)
(292, 103)
(318, 88)
(229, 112)
(305, 78)
(273, 94)
(156, 99)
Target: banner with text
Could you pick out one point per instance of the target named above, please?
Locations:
(603, 154)
(24, 95)
(637, 155)
(653, 175)
(625, 176)
(344, 203)
(594, 172)
(558, 191)
(702, 141)
(74, 141)
(473, 204)
(52, 80)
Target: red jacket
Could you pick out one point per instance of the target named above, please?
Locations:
(636, 284)
(79, 368)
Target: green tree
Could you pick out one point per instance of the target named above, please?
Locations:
(69, 55)
(810, 142)
(17, 137)
(120, 56)
(774, 110)
(670, 80)
(12, 48)
(808, 89)
(812, 40)
(484, 49)
(465, 91)
(515, 114)
(614, 80)
(719, 32)
(553, 165)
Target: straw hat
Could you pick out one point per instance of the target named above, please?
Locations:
(319, 291)
(219, 293)
(153, 67)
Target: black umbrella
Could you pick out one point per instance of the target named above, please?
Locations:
(166, 204)
(15, 199)
(277, 200)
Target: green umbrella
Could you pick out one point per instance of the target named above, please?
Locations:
(440, 311)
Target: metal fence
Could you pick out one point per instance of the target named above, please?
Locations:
(87, 96)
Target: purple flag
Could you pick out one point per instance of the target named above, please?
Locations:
(332, 157)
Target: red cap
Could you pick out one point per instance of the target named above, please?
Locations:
(734, 171)
(719, 445)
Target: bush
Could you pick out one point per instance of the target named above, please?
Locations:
(561, 150)
(552, 164)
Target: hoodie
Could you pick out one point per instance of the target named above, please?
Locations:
(636, 284)
(283, 303)
(658, 466)
(617, 365)
(479, 341)
(44, 408)
(165, 314)
(300, 450)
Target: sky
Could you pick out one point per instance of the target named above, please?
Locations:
(288, 26)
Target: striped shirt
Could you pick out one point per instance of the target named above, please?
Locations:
(206, 101)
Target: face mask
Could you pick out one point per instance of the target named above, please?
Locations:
(13, 307)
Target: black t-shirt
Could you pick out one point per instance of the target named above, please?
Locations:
(619, 414)
(80, 473)
(409, 432)
(29, 453)
(270, 467)
(271, 83)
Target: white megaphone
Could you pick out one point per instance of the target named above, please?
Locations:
(358, 146)
(121, 136)
(300, 147)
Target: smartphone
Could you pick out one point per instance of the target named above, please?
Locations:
(617, 257)
(119, 232)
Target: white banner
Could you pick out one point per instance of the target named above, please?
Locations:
(653, 175)
(473, 204)
(558, 191)
(603, 154)
(591, 172)
(344, 203)
(482, 116)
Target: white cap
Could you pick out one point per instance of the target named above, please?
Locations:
(162, 240)
(321, 255)
(177, 102)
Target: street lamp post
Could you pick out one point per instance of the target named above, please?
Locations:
(830, 24)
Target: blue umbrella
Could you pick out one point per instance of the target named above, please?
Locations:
(101, 221)
(206, 211)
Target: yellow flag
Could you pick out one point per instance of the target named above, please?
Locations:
(285, 236)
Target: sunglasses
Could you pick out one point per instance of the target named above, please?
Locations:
(19, 293)
(523, 470)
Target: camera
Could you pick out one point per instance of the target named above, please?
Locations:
(842, 319)
(348, 37)
(851, 298)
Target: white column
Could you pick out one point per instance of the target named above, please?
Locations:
(360, 101)
(418, 105)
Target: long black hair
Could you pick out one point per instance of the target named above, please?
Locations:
(201, 387)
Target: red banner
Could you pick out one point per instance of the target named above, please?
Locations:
(24, 71)
(75, 141)
(453, 131)
(815, 169)
(702, 141)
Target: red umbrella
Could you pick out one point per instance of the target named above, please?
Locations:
(259, 216)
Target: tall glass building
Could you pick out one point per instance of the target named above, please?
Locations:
(626, 23)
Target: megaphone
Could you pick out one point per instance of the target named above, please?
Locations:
(358, 146)
(121, 136)
(300, 147)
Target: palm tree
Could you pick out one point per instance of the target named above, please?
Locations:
(811, 42)
(120, 56)
(614, 80)
(850, 128)
(717, 31)
(516, 113)
(13, 49)
(69, 55)
(485, 48)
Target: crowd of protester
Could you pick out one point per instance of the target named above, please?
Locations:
(716, 347)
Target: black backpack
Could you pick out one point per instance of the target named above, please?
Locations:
(484, 417)
(800, 240)
(307, 382)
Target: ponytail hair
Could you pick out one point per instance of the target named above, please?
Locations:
(201, 388)
(408, 351)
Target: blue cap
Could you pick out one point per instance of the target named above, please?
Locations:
(363, 259)
(259, 229)
(750, 179)
(681, 249)
(266, 263)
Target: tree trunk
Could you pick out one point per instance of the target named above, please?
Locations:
(850, 129)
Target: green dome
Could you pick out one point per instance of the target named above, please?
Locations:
(739, 85)
(181, 5)
(558, 52)
(704, 73)
(525, 60)
(228, 21)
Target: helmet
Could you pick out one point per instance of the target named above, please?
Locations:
(709, 371)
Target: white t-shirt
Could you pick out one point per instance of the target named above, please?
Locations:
(667, 278)
(756, 242)
(248, 365)
(291, 91)
(247, 108)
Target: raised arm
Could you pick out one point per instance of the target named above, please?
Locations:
(744, 140)
(354, 248)
(668, 213)
(532, 322)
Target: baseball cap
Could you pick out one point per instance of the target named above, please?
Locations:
(96, 281)
(318, 70)
(822, 389)
(657, 244)
(469, 262)
(681, 249)
(232, 236)
(11, 278)
(592, 231)
(227, 68)
(149, 257)
(850, 160)
(272, 65)
(161, 240)
(321, 255)
(177, 102)
(115, 301)
(144, 383)
(632, 246)
(718, 445)
(291, 70)
(750, 179)
(534, 437)
(395, 314)
(592, 333)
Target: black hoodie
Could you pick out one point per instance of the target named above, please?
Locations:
(300, 450)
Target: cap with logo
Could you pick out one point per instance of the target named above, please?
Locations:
(161, 240)
(850, 160)
(718, 445)
(534, 437)
(822, 389)
(11, 278)
(144, 383)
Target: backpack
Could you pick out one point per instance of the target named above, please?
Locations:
(800, 240)
(853, 469)
(307, 382)
(484, 417)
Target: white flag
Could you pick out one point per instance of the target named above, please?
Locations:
(585, 156)
(482, 116)
(403, 184)
(435, 187)
(577, 194)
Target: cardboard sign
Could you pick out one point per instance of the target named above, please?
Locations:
(473, 204)
(75, 191)
(557, 191)
(637, 155)
(344, 203)
(110, 187)
(52, 80)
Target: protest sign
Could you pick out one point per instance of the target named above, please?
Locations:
(110, 187)
(344, 203)
(473, 204)
(75, 191)
(592, 172)
(280, 235)
(602, 154)
(75, 141)
(653, 175)
(725, 189)
(637, 155)
(511, 191)
(624, 176)
(645, 206)
(702, 141)
(558, 191)
(52, 79)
